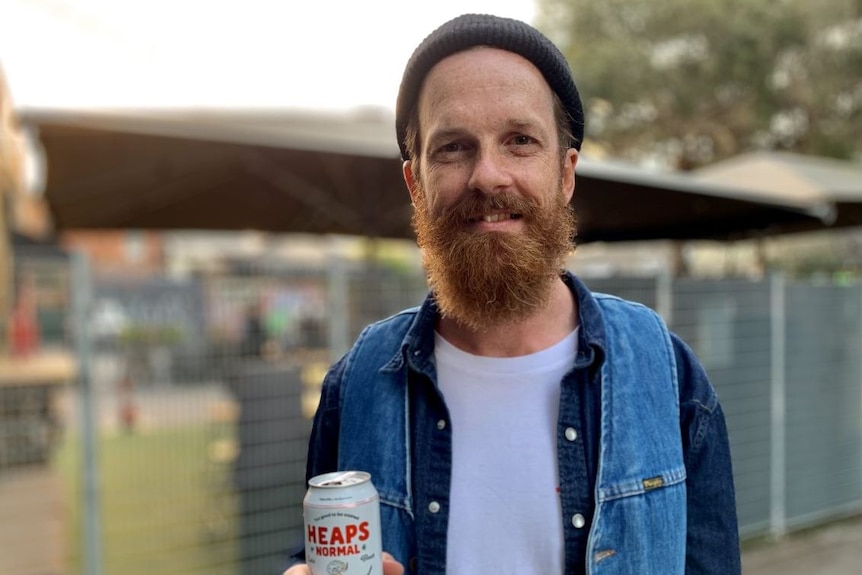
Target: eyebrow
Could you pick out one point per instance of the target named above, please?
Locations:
(455, 133)
(521, 124)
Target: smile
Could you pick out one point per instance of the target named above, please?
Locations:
(490, 218)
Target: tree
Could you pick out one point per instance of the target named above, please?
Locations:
(684, 83)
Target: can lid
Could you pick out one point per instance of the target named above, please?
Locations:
(339, 479)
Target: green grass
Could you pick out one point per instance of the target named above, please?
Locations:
(167, 508)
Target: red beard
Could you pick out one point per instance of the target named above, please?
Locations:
(484, 278)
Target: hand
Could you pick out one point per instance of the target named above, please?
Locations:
(390, 567)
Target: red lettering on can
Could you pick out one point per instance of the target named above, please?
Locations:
(336, 551)
(338, 535)
(351, 531)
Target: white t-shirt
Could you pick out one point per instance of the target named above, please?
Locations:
(505, 513)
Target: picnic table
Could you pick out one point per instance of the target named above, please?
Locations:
(29, 421)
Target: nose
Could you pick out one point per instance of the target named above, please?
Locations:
(490, 173)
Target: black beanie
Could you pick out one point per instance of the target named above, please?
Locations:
(471, 30)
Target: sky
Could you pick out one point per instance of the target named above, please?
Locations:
(317, 54)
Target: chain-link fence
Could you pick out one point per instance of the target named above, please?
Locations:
(180, 448)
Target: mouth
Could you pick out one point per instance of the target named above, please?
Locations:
(492, 218)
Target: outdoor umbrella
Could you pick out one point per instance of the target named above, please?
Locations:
(336, 173)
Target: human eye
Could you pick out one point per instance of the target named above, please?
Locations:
(450, 150)
(522, 143)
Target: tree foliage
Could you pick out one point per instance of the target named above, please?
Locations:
(687, 82)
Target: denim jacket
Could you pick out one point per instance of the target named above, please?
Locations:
(646, 484)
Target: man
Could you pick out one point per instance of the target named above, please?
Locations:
(516, 422)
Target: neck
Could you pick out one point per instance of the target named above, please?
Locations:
(540, 330)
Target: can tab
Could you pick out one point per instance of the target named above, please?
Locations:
(343, 480)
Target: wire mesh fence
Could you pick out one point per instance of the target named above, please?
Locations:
(185, 453)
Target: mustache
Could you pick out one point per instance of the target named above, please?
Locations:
(478, 203)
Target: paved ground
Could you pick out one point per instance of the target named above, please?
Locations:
(31, 510)
(32, 516)
(835, 549)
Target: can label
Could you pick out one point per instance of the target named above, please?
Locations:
(342, 525)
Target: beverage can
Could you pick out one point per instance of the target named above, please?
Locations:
(342, 525)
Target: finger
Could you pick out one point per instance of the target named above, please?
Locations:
(391, 566)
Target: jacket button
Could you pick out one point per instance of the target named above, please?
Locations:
(578, 520)
(441, 424)
(571, 433)
(433, 507)
(414, 564)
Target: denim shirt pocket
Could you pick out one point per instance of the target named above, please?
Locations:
(639, 526)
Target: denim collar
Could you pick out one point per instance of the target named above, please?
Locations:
(417, 347)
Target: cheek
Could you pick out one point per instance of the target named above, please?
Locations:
(546, 189)
(441, 188)
(437, 205)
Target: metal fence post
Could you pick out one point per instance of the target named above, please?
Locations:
(664, 296)
(91, 514)
(778, 407)
(337, 296)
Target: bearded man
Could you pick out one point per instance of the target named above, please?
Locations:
(516, 421)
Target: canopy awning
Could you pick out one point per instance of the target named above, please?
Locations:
(334, 173)
(784, 174)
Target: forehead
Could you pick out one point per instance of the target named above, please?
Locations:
(474, 80)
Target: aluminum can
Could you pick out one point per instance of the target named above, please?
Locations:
(342, 525)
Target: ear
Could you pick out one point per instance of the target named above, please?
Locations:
(568, 176)
(407, 170)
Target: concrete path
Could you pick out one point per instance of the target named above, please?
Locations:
(834, 549)
(32, 518)
(32, 522)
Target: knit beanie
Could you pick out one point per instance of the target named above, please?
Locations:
(471, 30)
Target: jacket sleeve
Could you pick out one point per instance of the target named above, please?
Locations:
(712, 540)
(323, 442)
